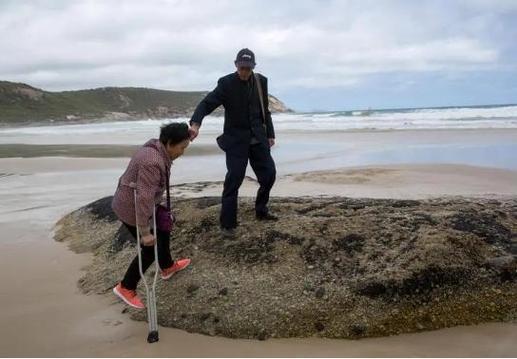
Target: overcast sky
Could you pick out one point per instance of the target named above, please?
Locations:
(318, 55)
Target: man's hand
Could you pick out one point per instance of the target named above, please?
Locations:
(271, 142)
(193, 131)
(147, 240)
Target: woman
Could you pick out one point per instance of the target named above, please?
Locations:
(148, 172)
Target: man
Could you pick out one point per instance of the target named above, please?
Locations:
(248, 135)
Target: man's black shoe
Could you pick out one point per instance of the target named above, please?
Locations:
(266, 217)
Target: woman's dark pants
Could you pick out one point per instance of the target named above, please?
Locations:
(132, 276)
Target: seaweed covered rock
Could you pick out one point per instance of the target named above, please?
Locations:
(332, 267)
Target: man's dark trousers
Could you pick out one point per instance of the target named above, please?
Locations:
(259, 156)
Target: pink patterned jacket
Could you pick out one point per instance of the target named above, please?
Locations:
(147, 169)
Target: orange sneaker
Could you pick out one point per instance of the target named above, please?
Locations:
(178, 265)
(128, 296)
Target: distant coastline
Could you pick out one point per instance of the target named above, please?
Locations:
(25, 105)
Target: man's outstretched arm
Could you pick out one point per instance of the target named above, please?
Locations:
(212, 100)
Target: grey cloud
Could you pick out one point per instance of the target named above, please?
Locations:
(186, 45)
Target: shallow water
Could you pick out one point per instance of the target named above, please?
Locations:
(61, 189)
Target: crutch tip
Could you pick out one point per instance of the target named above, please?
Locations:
(153, 337)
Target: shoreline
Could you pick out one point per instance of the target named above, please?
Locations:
(8, 127)
(293, 153)
(13, 150)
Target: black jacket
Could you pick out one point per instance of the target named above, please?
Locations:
(242, 111)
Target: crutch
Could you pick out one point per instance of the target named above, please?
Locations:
(150, 292)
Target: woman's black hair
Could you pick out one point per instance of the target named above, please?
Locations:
(174, 133)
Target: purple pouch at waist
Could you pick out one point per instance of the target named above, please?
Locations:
(164, 219)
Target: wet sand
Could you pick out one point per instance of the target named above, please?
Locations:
(383, 181)
(49, 317)
(46, 315)
(15, 150)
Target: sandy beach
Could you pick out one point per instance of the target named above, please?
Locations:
(43, 181)
(48, 316)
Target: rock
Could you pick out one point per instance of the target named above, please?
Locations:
(320, 292)
(262, 335)
(350, 243)
(373, 266)
(204, 316)
(101, 209)
(192, 288)
(370, 289)
(358, 329)
(319, 326)
(355, 207)
(500, 262)
(482, 224)
(404, 203)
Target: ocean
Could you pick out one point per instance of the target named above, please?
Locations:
(479, 117)
(481, 136)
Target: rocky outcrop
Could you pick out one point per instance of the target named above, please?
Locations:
(275, 105)
(331, 267)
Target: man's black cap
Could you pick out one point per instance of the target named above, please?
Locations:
(245, 58)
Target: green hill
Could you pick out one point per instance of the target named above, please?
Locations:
(21, 104)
